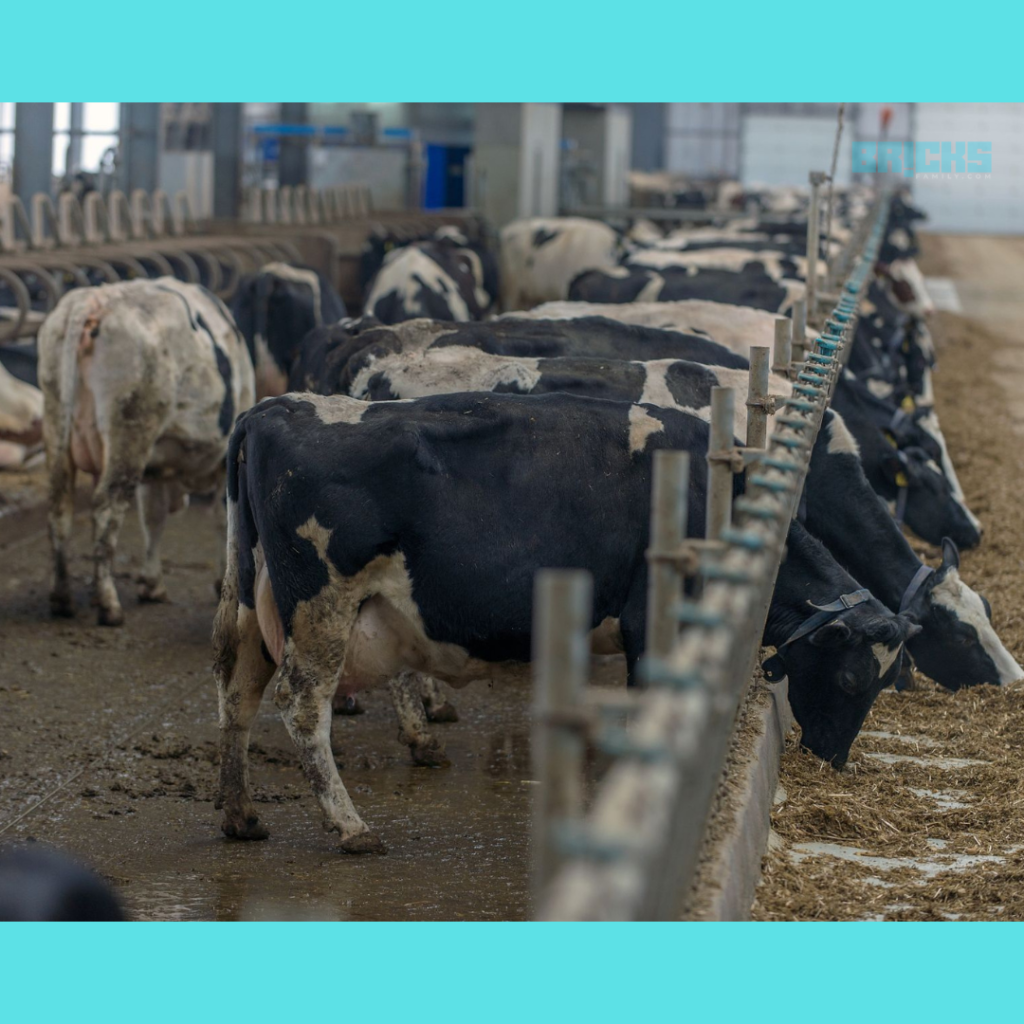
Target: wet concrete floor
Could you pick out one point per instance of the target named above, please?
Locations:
(108, 750)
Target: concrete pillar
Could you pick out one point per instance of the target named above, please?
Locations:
(76, 123)
(227, 159)
(516, 160)
(293, 168)
(648, 150)
(33, 149)
(140, 145)
(602, 137)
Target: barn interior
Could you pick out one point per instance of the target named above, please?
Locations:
(561, 792)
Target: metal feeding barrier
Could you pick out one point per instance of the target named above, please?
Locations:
(77, 243)
(633, 855)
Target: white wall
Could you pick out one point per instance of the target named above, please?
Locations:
(991, 205)
(781, 149)
(702, 139)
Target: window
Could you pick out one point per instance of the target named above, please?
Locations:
(6, 141)
(83, 134)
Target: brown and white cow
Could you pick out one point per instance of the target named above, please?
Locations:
(142, 382)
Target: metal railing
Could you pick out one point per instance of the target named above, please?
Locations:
(73, 244)
(633, 855)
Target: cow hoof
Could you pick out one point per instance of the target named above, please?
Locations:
(250, 828)
(111, 616)
(445, 713)
(61, 606)
(151, 595)
(429, 755)
(349, 706)
(365, 842)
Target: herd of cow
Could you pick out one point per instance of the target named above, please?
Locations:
(394, 481)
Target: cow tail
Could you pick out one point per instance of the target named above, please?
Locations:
(79, 333)
(225, 622)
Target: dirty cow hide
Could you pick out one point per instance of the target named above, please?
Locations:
(141, 383)
(324, 365)
(366, 537)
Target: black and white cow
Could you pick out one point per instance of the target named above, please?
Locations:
(367, 540)
(141, 384)
(749, 286)
(275, 309)
(445, 277)
(957, 649)
(937, 509)
(540, 257)
(328, 360)
(777, 263)
(910, 478)
(957, 646)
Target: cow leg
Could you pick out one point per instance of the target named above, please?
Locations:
(406, 691)
(303, 696)
(61, 515)
(347, 704)
(633, 624)
(154, 497)
(110, 503)
(219, 512)
(439, 708)
(239, 690)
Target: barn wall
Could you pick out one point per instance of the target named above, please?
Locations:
(977, 205)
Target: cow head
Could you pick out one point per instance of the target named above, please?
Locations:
(925, 500)
(836, 671)
(907, 432)
(958, 646)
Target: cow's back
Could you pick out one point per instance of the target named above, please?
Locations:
(161, 357)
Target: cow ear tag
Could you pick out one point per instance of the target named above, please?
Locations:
(901, 479)
(908, 404)
(774, 669)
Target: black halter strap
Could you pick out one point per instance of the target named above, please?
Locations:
(775, 667)
(914, 586)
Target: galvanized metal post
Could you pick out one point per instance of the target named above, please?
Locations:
(720, 444)
(816, 178)
(799, 330)
(668, 530)
(562, 608)
(757, 397)
(782, 355)
(33, 150)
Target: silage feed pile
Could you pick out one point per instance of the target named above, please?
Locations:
(927, 820)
